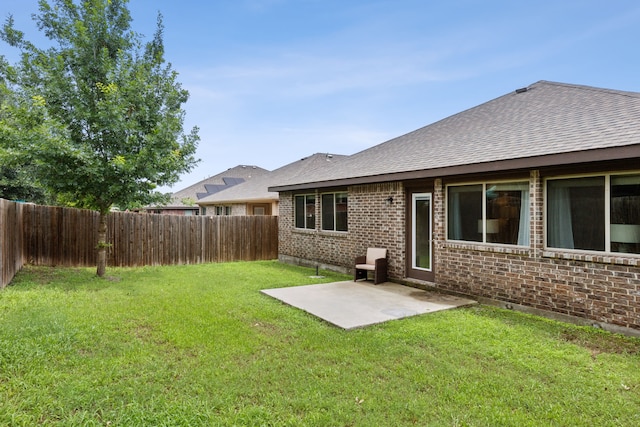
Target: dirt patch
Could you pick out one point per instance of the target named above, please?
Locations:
(603, 343)
(39, 275)
(435, 297)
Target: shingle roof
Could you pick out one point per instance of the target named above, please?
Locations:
(543, 119)
(257, 189)
(222, 181)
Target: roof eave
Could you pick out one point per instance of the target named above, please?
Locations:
(239, 201)
(170, 207)
(549, 160)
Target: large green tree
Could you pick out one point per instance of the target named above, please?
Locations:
(16, 183)
(118, 102)
(21, 125)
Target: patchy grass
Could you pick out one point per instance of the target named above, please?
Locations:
(200, 345)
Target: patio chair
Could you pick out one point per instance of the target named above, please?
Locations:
(376, 261)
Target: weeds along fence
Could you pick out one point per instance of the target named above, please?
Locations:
(55, 236)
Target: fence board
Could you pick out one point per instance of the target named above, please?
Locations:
(45, 235)
(12, 255)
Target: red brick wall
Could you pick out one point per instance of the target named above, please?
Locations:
(597, 290)
(372, 222)
(603, 289)
(600, 288)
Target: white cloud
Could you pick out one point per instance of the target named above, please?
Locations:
(300, 74)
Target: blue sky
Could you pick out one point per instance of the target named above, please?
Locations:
(272, 81)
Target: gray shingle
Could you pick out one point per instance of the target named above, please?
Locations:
(257, 189)
(220, 182)
(547, 118)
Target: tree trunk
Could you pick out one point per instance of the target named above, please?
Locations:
(102, 245)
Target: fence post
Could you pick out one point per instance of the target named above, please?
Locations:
(46, 235)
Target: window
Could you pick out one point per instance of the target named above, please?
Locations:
(625, 214)
(508, 213)
(598, 213)
(334, 211)
(259, 209)
(489, 213)
(465, 213)
(305, 211)
(223, 210)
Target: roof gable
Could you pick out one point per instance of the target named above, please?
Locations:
(214, 184)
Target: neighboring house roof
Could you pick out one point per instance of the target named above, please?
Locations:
(544, 124)
(256, 190)
(214, 184)
(215, 188)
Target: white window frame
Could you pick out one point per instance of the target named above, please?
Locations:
(334, 193)
(607, 211)
(484, 211)
(305, 195)
(221, 210)
(415, 197)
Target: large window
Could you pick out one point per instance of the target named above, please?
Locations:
(465, 213)
(305, 211)
(598, 213)
(489, 213)
(334, 211)
(625, 214)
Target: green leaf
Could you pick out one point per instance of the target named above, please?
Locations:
(97, 117)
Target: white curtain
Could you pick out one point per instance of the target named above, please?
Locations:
(559, 224)
(523, 226)
(455, 216)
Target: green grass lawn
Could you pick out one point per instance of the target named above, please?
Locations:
(200, 345)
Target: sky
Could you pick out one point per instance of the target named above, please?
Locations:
(273, 81)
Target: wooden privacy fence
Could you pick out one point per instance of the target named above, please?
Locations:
(59, 236)
(11, 243)
(144, 239)
(43, 235)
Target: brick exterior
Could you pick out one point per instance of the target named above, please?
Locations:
(237, 209)
(603, 289)
(372, 222)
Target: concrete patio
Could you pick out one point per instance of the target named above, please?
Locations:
(351, 305)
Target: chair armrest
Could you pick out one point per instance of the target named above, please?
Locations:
(360, 260)
(381, 262)
(380, 271)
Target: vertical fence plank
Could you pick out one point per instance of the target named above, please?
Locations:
(45, 235)
(12, 251)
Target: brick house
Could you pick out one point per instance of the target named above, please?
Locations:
(529, 201)
(185, 201)
(253, 197)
